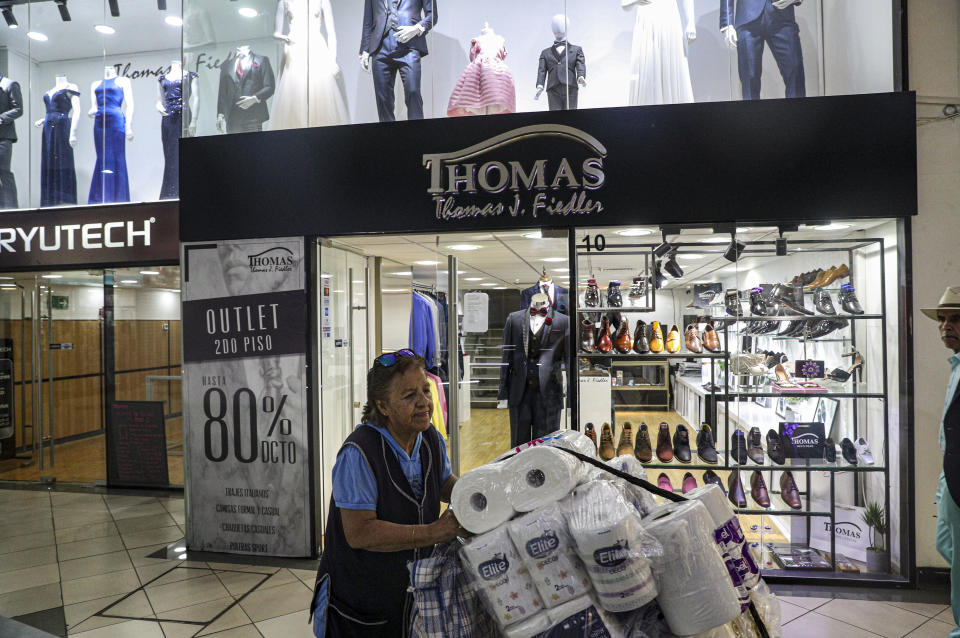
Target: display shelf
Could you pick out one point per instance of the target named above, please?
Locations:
(627, 357)
(773, 512)
(640, 309)
(645, 388)
(802, 317)
(720, 467)
(796, 395)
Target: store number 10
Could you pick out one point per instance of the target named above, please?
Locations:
(246, 444)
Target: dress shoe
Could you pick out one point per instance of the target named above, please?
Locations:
(587, 343)
(656, 338)
(812, 278)
(664, 449)
(755, 446)
(783, 296)
(807, 277)
(641, 345)
(711, 340)
(689, 483)
(614, 296)
(604, 342)
(824, 327)
(836, 273)
(643, 451)
(757, 306)
(591, 297)
(623, 343)
(625, 446)
(638, 292)
(606, 449)
(775, 447)
(849, 451)
(821, 278)
(681, 444)
(830, 451)
(848, 300)
(692, 338)
(706, 448)
(738, 447)
(663, 482)
(863, 451)
(732, 303)
(591, 434)
(711, 477)
(758, 489)
(735, 490)
(823, 303)
(792, 328)
(673, 340)
(789, 492)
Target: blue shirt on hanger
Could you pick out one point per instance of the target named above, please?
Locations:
(422, 340)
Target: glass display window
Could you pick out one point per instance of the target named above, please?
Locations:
(328, 62)
(95, 124)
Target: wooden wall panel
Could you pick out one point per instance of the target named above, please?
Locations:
(176, 357)
(141, 344)
(85, 356)
(10, 329)
(77, 406)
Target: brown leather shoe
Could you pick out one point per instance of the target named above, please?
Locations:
(606, 448)
(625, 446)
(587, 343)
(673, 340)
(623, 343)
(656, 338)
(692, 337)
(592, 435)
(711, 340)
(820, 281)
(758, 489)
(664, 448)
(643, 450)
(789, 492)
(836, 273)
(604, 342)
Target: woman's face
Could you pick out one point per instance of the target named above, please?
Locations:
(409, 405)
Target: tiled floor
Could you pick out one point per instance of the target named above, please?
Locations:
(92, 566)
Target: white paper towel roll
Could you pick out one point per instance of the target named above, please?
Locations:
(613, 546)
(641, 498)
(546, 549)
(479, 499)
(715, 501)
(528, 628)
(541, 475)
(696, 593)
(502, 577)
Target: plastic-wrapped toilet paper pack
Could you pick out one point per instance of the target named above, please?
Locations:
(572, 440)
(541, 475)
(582, 618)
(501, 577)
(695, 590)
(715, 501)
(641, 498)
(546, 549)
(479, 498)
(528, 628)
(768, 607)
(613, 545)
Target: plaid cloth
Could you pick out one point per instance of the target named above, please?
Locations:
(446, 605)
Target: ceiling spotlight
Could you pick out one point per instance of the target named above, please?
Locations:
(173, 21)
(672, 267)
(104, 29)
(781, 247)
(114, 8)
(664, 247)
(64, 12)
(732, 253)
(10, 18)
(162, 5)
(658, 278)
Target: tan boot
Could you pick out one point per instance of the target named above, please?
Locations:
(606, 443)
(625, 446)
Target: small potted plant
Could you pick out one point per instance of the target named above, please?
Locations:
(878, 559)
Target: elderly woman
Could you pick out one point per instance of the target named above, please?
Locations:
(390, 476)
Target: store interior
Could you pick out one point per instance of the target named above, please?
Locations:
(760, 409)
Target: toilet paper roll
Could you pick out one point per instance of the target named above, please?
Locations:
(613, 546)
(581, 617)
(541, 475)
(479, 499)
(715, 501)
(501, 577)
(695, 590)
(528, 628)
(572, 440)
(641, 498)
(546, 549)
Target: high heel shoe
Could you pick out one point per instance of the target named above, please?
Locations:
(656, 338)
(641, 345)
(781, 373)
(604, 343)
(848, 300)
(841, 375)
(623, 343)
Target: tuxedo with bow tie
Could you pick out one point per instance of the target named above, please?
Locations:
(559, 73)
(237, 79)
(559, 298)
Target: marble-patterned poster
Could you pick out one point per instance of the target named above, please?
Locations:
(245, 409)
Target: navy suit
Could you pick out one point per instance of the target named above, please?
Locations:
(560, 301)
(381, 18)
(258, 81)
(11, 107)
(758, 22)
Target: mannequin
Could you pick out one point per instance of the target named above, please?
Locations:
(486, 86)
(308, 93)
(560, 64)
(111, 106)
(246, 83)
(394, 41)
(11, 107)
(759, 22)
(170, 93)
(58, 177)
(531, 381)
(659, 68)
(557, 295)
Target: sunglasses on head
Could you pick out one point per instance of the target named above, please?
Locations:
(390, 358)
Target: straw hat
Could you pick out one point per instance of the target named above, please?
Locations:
(949, 301)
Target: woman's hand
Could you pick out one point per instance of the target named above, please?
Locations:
(447, 527)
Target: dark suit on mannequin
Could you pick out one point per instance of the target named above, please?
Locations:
(559, 301)
(758, 22)
(11, 107)
(258, 81)
(559, 72)
(388, 56)
(530, 378)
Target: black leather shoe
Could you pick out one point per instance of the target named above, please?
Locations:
(792, 328)
(614, 296)
(775, 447)
(755, 446)
(735, 490)
(782, 296)
(738, 447)
(849, 451)
(641, 345)
(757, 307)
(732, 303)
(681, 444)
(711, 477)
(830, 451)
(823, 303)
(848, 300)
(706, 449)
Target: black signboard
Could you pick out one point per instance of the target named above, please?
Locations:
(7, 421)
(137, 445)
(763, 160)
(803, 440)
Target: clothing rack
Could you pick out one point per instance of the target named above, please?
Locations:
(425, 287)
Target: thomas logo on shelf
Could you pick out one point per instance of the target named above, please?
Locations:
(484, 180)
(494, 568)
(613, 555)
(844, 529)
(542, 546)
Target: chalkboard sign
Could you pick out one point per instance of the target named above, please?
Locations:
(137, 445)
(7, 423)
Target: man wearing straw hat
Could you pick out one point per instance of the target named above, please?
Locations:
(947, 315)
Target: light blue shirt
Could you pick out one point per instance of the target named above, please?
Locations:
(354, 487)
(951, 392)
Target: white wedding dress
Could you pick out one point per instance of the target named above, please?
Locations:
(307, 93)
(659, 69)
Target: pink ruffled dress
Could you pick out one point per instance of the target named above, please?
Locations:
(486, 86)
